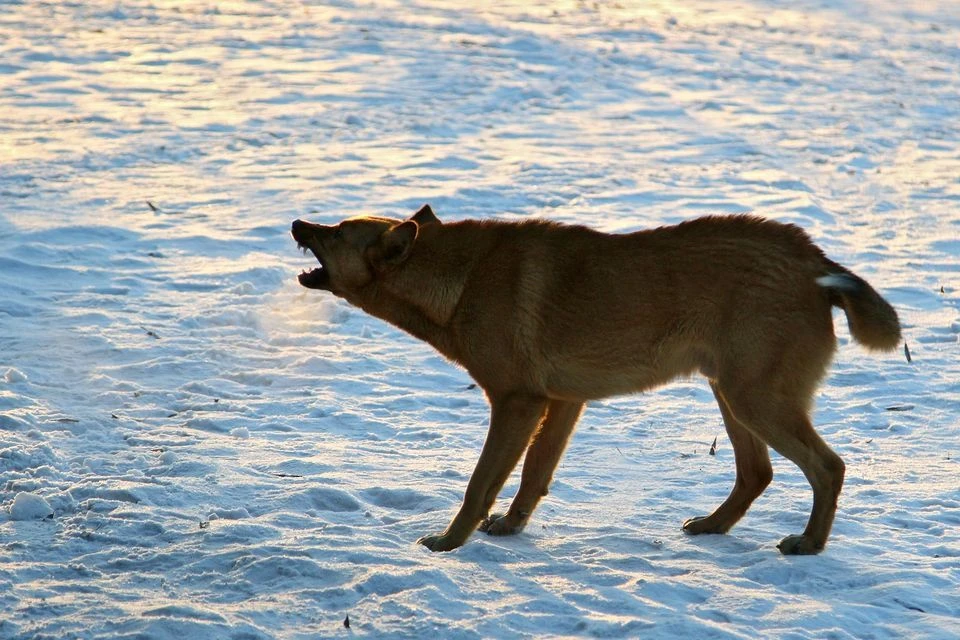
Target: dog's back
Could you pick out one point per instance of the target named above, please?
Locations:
(579, 313)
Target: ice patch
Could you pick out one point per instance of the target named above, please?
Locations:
(326, 499)
(28, 457)
(29, 506)
(240, 513)
(13, 376)
(184, 612)
(399, 499)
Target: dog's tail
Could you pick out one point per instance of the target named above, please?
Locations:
(872, 321)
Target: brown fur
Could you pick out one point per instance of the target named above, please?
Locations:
(546, 317)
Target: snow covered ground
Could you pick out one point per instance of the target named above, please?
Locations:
(193, 446)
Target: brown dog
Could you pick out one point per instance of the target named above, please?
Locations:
(546, 317)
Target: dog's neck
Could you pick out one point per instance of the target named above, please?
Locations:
(413, 298)
(403, 313)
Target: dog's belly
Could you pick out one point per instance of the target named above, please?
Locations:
(592, 381)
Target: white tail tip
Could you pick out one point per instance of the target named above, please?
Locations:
(838, 281)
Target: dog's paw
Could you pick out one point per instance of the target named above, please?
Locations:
(702, 524)
(694, 526)
(439, 542)
(799, 546)
(499, 524)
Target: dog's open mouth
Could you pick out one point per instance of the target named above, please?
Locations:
(318, 278)
(304, 233)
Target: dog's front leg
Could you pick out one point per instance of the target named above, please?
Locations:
(543, 455)
(513, 420)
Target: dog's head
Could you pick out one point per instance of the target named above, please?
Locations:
(353, 253)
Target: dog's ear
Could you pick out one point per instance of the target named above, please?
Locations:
(393, 246)
(425, 216)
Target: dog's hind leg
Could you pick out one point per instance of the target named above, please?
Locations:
(513, 419)
(782, 422)
(538, 466)
(753, 475)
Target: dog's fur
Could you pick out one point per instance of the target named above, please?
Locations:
(546, 317)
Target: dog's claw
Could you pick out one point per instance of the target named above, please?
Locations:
(701, 524)
(437, 542)
(799, 546)
(498, 524)
(692, 527)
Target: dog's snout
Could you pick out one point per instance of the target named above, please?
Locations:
(302, 231)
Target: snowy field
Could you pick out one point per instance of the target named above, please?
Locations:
(193, 446)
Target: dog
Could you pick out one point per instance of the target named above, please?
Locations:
(546, 317)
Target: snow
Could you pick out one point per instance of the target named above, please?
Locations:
(29, 506)
(228, 455)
